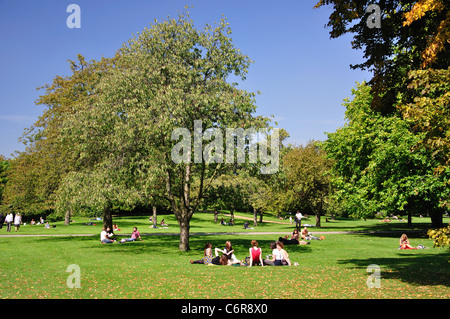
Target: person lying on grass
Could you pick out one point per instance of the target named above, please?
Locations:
(295, 239)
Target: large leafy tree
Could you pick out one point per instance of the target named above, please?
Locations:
(429, 113)
(4, 167)
(411, 35)
(165, 78)
(378, 165)
(36, 173)
(306, 176)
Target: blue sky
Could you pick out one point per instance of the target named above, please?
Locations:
(302, 73)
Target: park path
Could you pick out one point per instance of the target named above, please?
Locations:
(222, 233)
(250, 218)
(227, 233)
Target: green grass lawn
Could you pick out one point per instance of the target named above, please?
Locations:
(204, 223)
(35, 267)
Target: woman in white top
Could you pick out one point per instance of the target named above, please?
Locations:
(282, 257)
(279, 256)
(17, 222)
(104, 237)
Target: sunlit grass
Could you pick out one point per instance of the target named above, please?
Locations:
(35, 267)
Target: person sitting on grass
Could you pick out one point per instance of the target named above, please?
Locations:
(255, 254)
(207, 256)
(110, 234)
(271, 262)
(247, 225)
(305, 233)
(115, 227)
(280, 257)
(104, 237)
(47, 225)
(209, 260)
(163, 223)
(404, 243)
(134, 235)
(228, 251)
(225, 261)
(295, 239)
(221, 261)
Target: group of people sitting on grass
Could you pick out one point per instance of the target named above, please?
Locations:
(298, 238)
(279, 256)
(108, 237)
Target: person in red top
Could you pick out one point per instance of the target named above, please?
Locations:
(255, 254)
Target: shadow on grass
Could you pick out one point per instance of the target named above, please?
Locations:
(168, 245)
(422, 269)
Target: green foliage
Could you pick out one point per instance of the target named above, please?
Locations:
(307, 181)
(4, 167)
(401, 44)
(378, 165)
(35, 175)
(440, 236)
(429, 112)
(164, 78)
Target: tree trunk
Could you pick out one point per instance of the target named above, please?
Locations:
(255, 217)
(409, 219)
(67, 218)
(184, 234)
(232, 217)
(155, 217)
(318, 220)
(107, 216)
(436, 218)
(318, 213)
(260, 216)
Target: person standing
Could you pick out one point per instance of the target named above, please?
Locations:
(9, 220)
(17, 221)
(2, 220)
(298, 220)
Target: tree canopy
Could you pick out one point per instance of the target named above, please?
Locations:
(379, 167)
(412, 35)
(170, 76)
